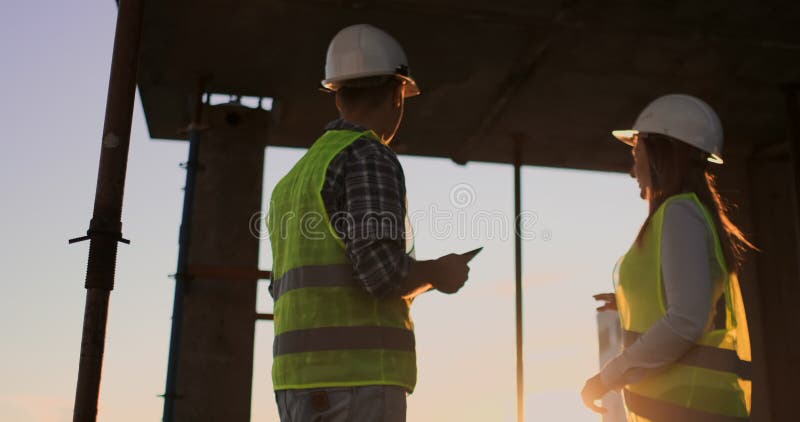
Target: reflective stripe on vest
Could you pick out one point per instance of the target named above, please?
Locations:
(343, 338)
(333, 275)
(661, 411)
(702, 356)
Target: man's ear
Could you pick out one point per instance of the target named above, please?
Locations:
(398, 95)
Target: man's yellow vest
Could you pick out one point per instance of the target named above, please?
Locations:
(329, 331)
(711, 382)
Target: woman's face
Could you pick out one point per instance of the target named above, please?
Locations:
(641, 168)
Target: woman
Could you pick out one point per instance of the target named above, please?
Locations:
(687, 349)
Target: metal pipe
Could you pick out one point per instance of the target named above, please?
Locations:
(518, 277)
(87, 392)
(105, 227)
(182, 275)
(228, 273)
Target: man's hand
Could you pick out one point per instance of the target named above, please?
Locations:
(610, 300)
(451, 272)
(594, 390)
(446, 274)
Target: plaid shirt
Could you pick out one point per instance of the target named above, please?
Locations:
(365, 196)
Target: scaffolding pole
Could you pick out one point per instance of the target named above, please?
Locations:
(182, 276)
(518, 276)
(105, 228)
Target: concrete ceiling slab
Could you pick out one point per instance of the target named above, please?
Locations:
(554, 75)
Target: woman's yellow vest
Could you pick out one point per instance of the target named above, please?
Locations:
(711, 382)
(328, 330)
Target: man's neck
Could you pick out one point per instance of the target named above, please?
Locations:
(363, 120)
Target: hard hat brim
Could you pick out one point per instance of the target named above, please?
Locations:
(412, 90)
(626, 136)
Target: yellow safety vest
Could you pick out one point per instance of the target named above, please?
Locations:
(711, 382)
(329, 331)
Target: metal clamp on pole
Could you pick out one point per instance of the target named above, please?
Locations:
(101, 264)
(96, 232)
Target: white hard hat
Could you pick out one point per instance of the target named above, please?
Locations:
(683, 117)
(361, 51)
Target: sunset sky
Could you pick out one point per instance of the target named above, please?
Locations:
(56, 58)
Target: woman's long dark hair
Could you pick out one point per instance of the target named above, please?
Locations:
(675, 168)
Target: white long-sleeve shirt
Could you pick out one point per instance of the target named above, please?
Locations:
(692, 283)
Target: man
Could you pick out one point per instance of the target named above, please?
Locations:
(342, 278)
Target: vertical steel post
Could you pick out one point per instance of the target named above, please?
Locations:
(518, 277)
(106, 225)
(184, 242)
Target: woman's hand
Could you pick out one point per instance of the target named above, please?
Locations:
(594, 390)
(610, 300)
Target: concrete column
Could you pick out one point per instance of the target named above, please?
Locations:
(774, 217)
(735, 184)
(215, 367)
